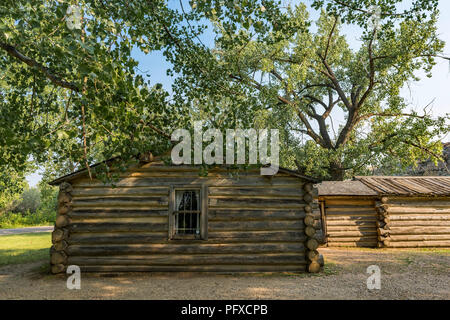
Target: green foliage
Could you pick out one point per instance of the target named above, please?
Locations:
(70, 97)
(11, 186)
(29, 201)
(42, 217)
(303, 79)
(33, 207)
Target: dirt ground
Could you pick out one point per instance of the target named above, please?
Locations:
(405, 274)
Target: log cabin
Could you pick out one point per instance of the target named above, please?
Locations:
(391, 212)
(164, 218)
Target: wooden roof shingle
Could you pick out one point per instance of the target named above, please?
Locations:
(408, 186)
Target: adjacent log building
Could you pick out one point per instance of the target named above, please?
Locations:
(169, 218)
(395, 212)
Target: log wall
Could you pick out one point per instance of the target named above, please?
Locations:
(415, 222)
(387, 221)
(255, 223)
(350, 221)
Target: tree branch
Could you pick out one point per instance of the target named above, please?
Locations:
(55, 79)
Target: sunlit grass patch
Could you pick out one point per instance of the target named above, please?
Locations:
(23, 248)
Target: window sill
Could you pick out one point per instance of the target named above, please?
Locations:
(186, 237)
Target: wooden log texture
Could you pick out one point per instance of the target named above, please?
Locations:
(198, 259)
(182, 248)
(58, 257)
(219, 268)
(254, 223)
(351, 221)
(57, 268)
(419, 222)
(62, 221)
(60, 234)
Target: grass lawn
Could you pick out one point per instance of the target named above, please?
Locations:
(27, 247)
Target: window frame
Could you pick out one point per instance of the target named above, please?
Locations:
(203, 206)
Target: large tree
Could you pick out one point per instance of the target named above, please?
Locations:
(71, 91)
(299, 76)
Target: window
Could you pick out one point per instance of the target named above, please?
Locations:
(187, 214)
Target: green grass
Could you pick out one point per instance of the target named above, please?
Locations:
(24, 248)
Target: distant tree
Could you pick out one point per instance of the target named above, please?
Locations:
(29, 201)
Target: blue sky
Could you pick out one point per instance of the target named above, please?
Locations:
(419, 94)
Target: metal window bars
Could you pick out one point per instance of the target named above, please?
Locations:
(187, 214)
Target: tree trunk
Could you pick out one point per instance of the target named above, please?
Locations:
(335, 171)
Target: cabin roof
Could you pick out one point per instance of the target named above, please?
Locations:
(408, 186)
(387, 185)
(81, 172)
(344, 188)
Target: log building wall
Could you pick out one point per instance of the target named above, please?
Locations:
(415, 222)
(350, 221)
(255, 223)
(387, 221)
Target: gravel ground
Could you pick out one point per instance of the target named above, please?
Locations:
(405, 274)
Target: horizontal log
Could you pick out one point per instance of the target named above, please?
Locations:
(435, 223)
(181, 248)
(349, 223)
(433, 217)
(118, 237)
(345, 201)
(351, 228)
(416, 202)
(351, 233)
(117, 227)
(418, 210)
(116, 202)
(349, 209)
(270, 192)
(420, 244)
(366, 213)
(255, 203)
(299, 267)
(362, 244)
(157, 219)
(351, 218)
(115, 213)
(243, 181)
(255, 225)
(198, 259)
(236, 214)
(420, 230)
(258, 235)
(420, 237)
(130, 191)
(354, 239)
(162, 199)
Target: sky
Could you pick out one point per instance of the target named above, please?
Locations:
(434, 90)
